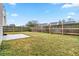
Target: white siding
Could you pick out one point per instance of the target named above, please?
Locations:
(1, 22)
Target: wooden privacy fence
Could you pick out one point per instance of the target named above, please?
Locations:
(58, 30)
(61, 29)
(15, 29)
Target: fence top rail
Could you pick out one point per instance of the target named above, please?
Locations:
(65, 28)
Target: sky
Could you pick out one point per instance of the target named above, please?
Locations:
(21, 13)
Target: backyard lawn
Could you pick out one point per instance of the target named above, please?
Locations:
(41, 44)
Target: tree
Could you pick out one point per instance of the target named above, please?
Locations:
(63, 21)
(32, 23)
(60, 22)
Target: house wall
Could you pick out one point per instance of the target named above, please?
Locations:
(1, 15)
(1, 34)
(1, 22)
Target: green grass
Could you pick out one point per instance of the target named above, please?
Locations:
(41, 44)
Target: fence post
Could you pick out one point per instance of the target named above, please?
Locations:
(62, 28)
(13, 28)
(21, 29)
(49, 28)
(41, 28)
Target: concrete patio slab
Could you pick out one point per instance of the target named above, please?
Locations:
(14, 36)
